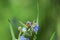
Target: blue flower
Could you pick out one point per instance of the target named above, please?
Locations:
(35, 28)
(22, 38)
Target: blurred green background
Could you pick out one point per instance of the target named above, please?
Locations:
(49, 16)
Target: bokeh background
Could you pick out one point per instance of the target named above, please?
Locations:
(49, 16)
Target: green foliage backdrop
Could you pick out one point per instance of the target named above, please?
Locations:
(49, 14)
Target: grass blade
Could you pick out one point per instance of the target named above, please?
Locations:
(52, 36)
(12, 33)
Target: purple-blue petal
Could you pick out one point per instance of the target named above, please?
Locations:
(21, 37)
(35, 29)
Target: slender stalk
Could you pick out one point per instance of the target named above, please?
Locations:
(19, 35)
(37, 11)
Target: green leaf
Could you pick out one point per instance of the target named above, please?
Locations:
(12, 32)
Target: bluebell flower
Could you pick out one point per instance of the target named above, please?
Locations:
(35, 28)
(22, 38)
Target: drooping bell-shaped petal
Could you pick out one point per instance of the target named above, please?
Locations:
(35, 28)
(22, 37)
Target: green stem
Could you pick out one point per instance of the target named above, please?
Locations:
(37, 11)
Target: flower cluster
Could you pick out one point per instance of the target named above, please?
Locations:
(31, 27)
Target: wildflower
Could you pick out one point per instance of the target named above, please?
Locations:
(28, 23)
(22, 37)
(35, 28)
